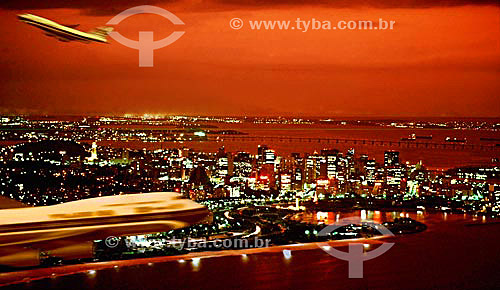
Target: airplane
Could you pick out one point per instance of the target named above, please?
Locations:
(66, 33)
(67, 231)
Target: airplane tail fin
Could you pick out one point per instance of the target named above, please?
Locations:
(101, 31)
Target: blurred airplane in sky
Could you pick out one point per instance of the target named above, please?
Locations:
(65, 32)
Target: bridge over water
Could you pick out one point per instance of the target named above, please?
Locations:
(367, 142)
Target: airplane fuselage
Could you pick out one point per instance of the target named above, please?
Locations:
(61, 32)
(25, 232)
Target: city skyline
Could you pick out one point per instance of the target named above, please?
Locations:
(249, 144)
(275, 191)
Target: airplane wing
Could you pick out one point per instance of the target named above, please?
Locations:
(71, 25)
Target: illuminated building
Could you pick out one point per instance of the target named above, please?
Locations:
(331, 157)
(297, 179)
(242, 163)
(391, 158)
(222, 166)
(310, 169)
(261, 150)
(93, 152)
(270, 156)
(285, 181)
(370, 171)
(224, 163)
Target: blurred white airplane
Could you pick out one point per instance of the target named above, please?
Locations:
(65, 32)
(67, 230)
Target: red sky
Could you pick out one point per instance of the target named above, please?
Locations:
(438, 61)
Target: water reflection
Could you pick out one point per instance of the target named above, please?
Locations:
(382, 216)
(195, 262)
(430, 259)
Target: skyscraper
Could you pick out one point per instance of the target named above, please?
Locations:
(261, 149)
(393, 171)
(391, 158)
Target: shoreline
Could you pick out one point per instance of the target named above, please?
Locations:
(26, 276)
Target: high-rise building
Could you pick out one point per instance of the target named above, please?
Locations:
(270, 156)
(266, 156)
(393, 171)
(370, 171)
(222, 166)
(285, 181)
(391, 158)
(331, 165)
(310, 169)
(261, 149)
(393, 176)
(242, 164)
(297, 178)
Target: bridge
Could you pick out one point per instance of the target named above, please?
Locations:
(367, 142)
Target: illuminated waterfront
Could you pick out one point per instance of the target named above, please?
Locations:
(450, 254)
(176, 132)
